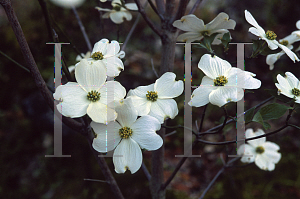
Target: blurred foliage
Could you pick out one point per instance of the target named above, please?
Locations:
(26, 123)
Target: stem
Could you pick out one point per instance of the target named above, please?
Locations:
(104, 168)
(86, 38)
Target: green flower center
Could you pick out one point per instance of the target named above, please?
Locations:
(117, 8)
(259, 150)
(93, 96)
(125, 132)
(97, 56)
(271, 35)
(205, 33)
(220, 81)
(284, 42)
(152, 96)
(296, 92)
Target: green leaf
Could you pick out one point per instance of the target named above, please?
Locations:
(267, 51)
(259, 119)
(273, 111)
(266, 125)
(256, 45)
(212, 37)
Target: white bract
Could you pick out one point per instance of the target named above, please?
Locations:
(156, 99)
(109, 55)
(264, 154)
(222, 83)
(128, 135)
(269, 37)
(90, 95)
(68, 3)
(289, 86)
(118, 12)
(78, 58)
(196, 28)
(287, 41)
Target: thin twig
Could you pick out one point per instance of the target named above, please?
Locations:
(235, 141)
(149, 22)
(93, 180)
(216, 177)
(152, 64)
(195, 6)
(23, 67)
(148, 175)
(173, 132)
(160, 6)
(86, 38)
(131, 32)
(104, 168)
(155, 10)
(202, 118)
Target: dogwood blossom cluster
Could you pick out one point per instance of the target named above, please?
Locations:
(265, 154)
(119, 11)
(115, 119)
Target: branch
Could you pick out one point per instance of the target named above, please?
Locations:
(195, 6)
(235, 141)
(181, 10)
(31, 65)
(86, 38)
(160, 6)
(151, 25)
(155, 10)
(104, 168)
(216, 176)
(146, 171)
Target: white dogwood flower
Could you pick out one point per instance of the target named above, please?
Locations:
(156, 99)
(68, 3)
(222, 83)
(118, 12)
(196, 28)
(289, 86)
(128, 135)
(264, 154)
(108, 53)
(269, 37)
(287, 41)
(89, 95)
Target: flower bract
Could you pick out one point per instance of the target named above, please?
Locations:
(156, 99)
(109, 54)
(265, 154)
(90, 95)
(196, 29)
(289, 86)
(269, 37)
(127, 135)
(68, 3)
(119, 11)
(222, 83)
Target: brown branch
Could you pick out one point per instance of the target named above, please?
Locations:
(155, 10)
(181, 10)
(146, 18)
(195, 6)
(160, 6)
(31, 65)
(104, 168)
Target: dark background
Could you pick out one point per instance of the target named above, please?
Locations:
(26, 122)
